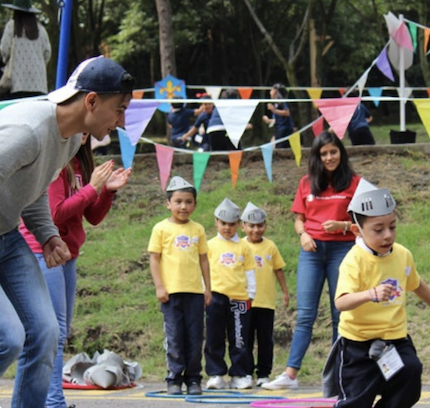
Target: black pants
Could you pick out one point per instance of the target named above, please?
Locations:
(361, 136)
(261, 327)
(225, 316)
(360, 379)
(183, 328)
(219, 141)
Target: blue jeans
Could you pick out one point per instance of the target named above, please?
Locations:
(312, 271)
(61, 282)
(28, 326)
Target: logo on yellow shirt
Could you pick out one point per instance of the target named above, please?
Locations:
(258, 261)
(227, 259)
(182, 242)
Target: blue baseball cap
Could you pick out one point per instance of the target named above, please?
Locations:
(98, 74)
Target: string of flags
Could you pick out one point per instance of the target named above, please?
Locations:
(236, 114)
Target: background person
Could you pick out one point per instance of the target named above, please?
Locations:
(81, 191)
(281, 116)
(358, 129)
(38, 139)
(25, 45)
(323, 226)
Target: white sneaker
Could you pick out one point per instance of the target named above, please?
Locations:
(261, 381)
(216, 382)
(281, 382)
(241, 383)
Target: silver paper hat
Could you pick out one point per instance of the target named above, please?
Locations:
(371, 201)
(178, 183)
(227, 211)
(253, 214)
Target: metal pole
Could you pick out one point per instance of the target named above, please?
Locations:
(402, 83)
(63, 49)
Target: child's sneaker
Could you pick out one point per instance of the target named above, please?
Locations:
(216, 382)
(281, 382)
(261, 381)
(241, 383)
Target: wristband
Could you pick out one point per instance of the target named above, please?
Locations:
(346, 228)
(371, 296)
(376, 296)
(300, 233)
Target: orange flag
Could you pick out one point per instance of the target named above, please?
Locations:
(245, 93)
(137, 94)
(342, 91)
(234, 159)
(428, 92)
(426, 38)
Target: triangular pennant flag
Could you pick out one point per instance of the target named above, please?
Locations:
(362, 81)
(168, 88)
(137, 117)
(200, 161)
(3, 104)
(245, 93)
(164, 160)
(213, 91)
(406, 92)
(402, 37)
(296, 147)
(428, 92)
(267, 151)
(426, 39)
(235, 115)
(318, 126)
(413, 31)
(234, 159)
(127, 149)
(138, 94)
(423, 107)
(338, 112)
(314, 93)
(375, 93)
(342, 91)
(383, 65)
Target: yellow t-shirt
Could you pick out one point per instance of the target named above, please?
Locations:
(180, 246)
(267, 259)
(360, 271)
(229, 262)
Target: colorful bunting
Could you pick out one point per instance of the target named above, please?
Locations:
(423, 107)
(164, 160)
(428, 92)
(403, 38)
(200, 161)
(318, 126)
(213, 91)
(235, 115)
(384, 66)
(3, 104)
(296, 147)
(338, 112)
(138, 94)
(413, 32)
(127, 148)
(362, 81)
(426, 39)
(167, 88)
(267, 151)
(245, 93)
(137, 117)
(314, 93)
(342, 91)
(375, 93)
(234, 159)
(407, 92)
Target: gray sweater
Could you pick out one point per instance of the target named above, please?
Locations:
(32, 154)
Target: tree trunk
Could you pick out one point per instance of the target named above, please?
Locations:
(167, 45)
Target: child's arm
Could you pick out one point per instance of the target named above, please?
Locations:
(204, 265)
(423, 292)
(350, 301)
(154, 264)
(281, 279)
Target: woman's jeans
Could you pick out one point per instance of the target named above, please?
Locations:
(61, 282)
(28, 326)
(312, 271)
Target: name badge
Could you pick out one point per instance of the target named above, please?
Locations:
(390, 362)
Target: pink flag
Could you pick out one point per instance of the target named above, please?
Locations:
(164, 160)
(384, 66)
(318, 126)
(338, 112)
(403, 38)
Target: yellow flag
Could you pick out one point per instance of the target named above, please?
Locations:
(296, 147)
(423, 107)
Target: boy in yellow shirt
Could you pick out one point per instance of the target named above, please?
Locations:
(375, 354)
(269, 264)
(178, 261)
(233, 288)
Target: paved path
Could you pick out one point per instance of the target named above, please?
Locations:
(136, 397)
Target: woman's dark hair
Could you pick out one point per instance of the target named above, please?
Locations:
(25, 24)
(281, 91)
(341, 177)
(86, 161)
